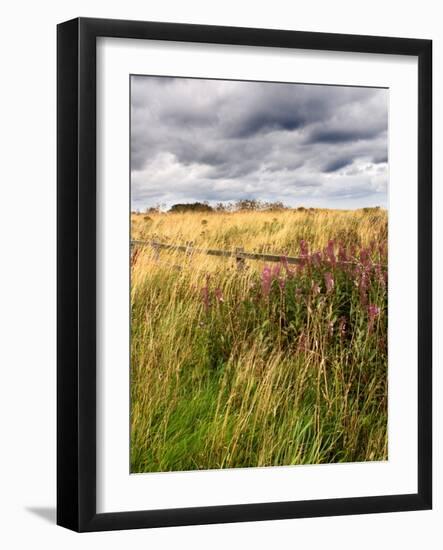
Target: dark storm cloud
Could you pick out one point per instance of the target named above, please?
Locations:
(336, 164)
(341, 135)
(213, 140)
(381, 159)
(266, 123)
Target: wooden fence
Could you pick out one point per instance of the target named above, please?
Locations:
(238, 253)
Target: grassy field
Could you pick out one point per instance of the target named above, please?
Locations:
(272, 364)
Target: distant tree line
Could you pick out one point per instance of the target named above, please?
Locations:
(191, 207)
(239, 205)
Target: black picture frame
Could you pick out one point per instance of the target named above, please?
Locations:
(76, 279)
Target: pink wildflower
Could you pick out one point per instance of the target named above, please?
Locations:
(329, 281)
(276, 271)
(276, 276)
(316, 259)
(363, 285)
(342, 256)
(382, 250)
(380, 275)
(304, 248)
(364, 257)
(352, 252)
(330, 253)
(266, 280)
(373, 313)
(285, 264)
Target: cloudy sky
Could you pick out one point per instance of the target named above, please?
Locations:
(216, 140)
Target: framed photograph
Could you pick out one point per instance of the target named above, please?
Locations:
(244, 274)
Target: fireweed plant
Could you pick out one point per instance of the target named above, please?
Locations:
(263, 365)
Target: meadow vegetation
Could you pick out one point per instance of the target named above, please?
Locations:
(262, 364)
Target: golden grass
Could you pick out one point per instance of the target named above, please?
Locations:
(253, 380)
(268, 232)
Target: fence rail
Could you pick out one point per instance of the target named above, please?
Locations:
(239, 254)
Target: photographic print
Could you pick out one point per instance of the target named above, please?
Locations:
(259, 261)
(223, 301)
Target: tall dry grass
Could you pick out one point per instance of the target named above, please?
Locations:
(268, 365)
(264, 231)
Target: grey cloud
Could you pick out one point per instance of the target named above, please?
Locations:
(336, 164)
(341, 135)
(380, 159)
(212, 140)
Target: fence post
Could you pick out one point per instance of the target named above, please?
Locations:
(240, 261)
